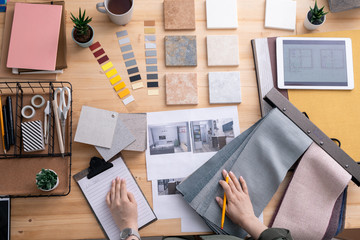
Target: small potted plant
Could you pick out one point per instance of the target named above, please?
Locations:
(82, 33)
(47, 180)
(315, 17)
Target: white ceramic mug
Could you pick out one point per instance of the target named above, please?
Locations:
(119, 19)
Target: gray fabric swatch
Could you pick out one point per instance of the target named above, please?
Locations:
(150, 53)
(130, 63)
(151, 68)
(128, 55)
(151, 60)
(136, 123)
(126, 48)
(122, 139)
(124, 40)
(121, 33)
(262, 155)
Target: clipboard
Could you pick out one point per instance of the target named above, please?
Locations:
(101, 173)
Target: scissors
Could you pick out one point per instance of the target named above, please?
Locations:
(63, 107)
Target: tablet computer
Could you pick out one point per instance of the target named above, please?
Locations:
(5, 218)
(314, 63)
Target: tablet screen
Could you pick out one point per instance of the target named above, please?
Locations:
(315, 63)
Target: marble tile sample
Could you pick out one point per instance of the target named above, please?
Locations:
(130, 63)
(180, 51)
(222, 50)
(280, 14)
(181, 88)
(151, 61)
(221, 14)
(136, 123)
(179, 14)
(224, 87)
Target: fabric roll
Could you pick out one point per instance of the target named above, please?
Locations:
(310, 198)
(262, 155)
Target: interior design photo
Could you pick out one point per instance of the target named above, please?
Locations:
(168, 186)
(211, 135)
(169, 138)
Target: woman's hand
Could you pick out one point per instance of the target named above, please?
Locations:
(122, 205)
(239, 207)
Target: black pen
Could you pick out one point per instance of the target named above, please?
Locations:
(10, 121)
(6, 137)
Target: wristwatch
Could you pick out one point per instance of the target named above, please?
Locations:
(127, 232)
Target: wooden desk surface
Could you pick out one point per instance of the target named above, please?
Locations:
(70, 217)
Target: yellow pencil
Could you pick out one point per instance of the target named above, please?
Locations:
(2, 127)
(224, 205)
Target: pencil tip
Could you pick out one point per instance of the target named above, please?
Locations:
(222, 227)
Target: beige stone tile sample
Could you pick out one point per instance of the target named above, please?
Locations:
(222, 50)
(179, 14)
(181, 88)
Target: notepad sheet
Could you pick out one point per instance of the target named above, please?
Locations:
(96, 188)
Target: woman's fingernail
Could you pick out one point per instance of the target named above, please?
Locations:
(231, 173)
(224, 171)
(217, 199)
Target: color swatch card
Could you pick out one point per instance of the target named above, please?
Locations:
(280, 14)
(96, 127)
(34, 36)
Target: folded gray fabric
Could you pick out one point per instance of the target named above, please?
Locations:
(262, 155)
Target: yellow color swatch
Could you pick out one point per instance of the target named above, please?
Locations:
(153, 92)
(137, 85)
(149, 30)
(119, 86)
(111, 73)
(124, 93)
(107, 66)
(115, 79)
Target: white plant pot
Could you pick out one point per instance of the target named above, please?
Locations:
(87, 44)
(57, 182)
(309, 26)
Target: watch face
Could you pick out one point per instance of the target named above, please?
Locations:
(125, 233)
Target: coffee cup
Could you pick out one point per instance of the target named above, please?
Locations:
(119, 11)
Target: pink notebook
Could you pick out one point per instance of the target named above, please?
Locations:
(34, 36)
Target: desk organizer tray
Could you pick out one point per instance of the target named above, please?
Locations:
(18, 168)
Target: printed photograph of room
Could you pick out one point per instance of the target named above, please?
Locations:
(211, 135)
(169, 138)
(168, 186)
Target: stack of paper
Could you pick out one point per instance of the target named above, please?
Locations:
(111, 132)
(34, 39)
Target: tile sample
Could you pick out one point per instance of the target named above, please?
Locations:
(221, 14)
(151, 60)
(280, 14)
(136, 123)
(111, 73)
(103, 59)
(99, 53)
(122, 138)
(130, 63)
(224, 87)
(128, 100)
(179, 14)
(151, 68)
(126, 48)
(152, 76)
(149, 23)
(152, 84)
(153, 92)
(94, 46)
(150, 53)
(115, 79)
(149, 30)
(119, 86)
(128, 55)
(181, 88)
(137, 85)
(135, 78)
(150, 38)
(96, 127)
(124, 93)
(121, 33)
(124, 40)
(132, 70)
(222, 50)
(180, 51)
(150, 45)
(107, 66)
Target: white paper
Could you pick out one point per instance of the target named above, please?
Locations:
(169, 204)
(96, 188)
(172, 150)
